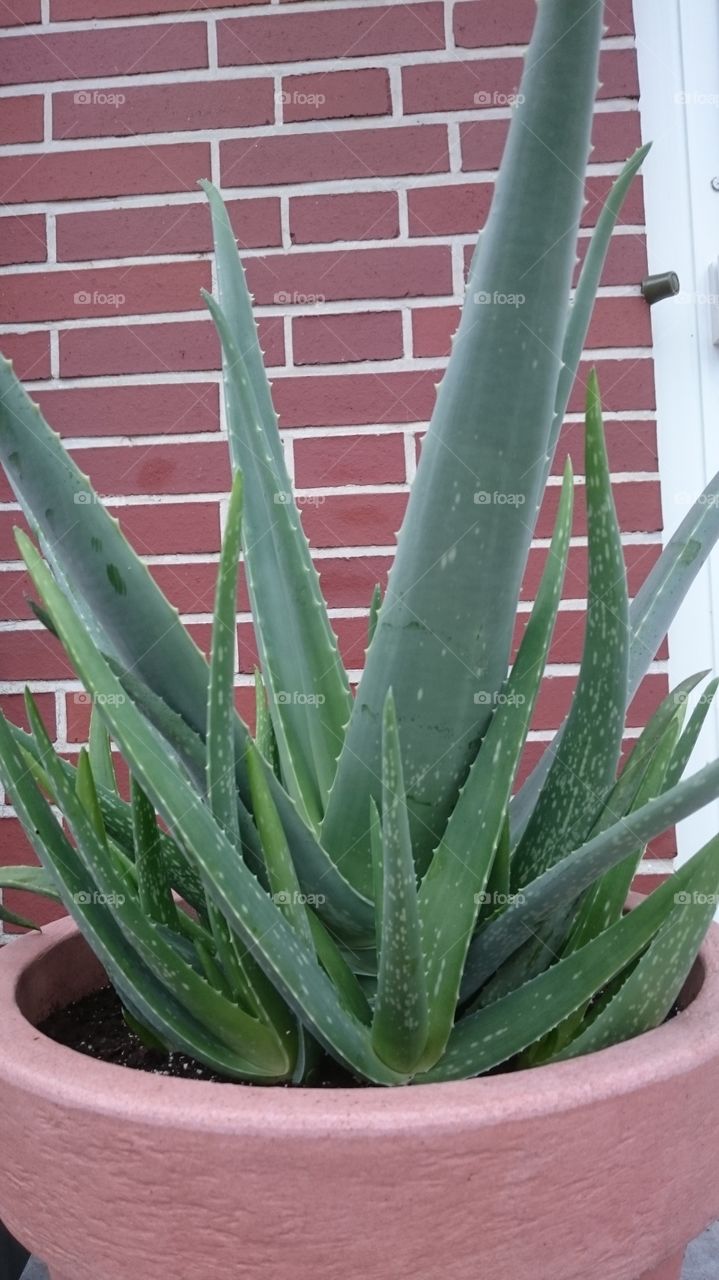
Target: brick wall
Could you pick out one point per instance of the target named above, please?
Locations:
(356, 143)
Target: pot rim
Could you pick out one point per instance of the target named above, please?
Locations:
(32, 1062)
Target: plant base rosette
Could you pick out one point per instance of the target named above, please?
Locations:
(601, 1168)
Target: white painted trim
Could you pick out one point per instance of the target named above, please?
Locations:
(679, 76)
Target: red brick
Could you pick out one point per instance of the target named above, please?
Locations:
(486, 23)
(29, 352)
(339, 460)
(12, 705)
(185, 228)
(179, 528)
(16, 13)
(368, 215)
(164, 108)
(131, 411)
(354, 520)
(114, 51)
(303, 278)
(624, 384)
(348, 582)
(350, 32)
(16, 850)
(155, 348)
(490, 83)
(121, 171)
(349, 399)
(15, 590)
(317, 157)
(329, 339)
(638, 506)
(9, 521)
(448, 210)
(32, 654)
(352, 640)
(21, 119)
(157, 468)
(107, 291)
(336, 95)
(556, 693)
(68, 10)
(22, 239)
(617, 322)
(432, 329)
(626, 262)
(616, 135)
(632, 446)
(639, 559)
(189, 587)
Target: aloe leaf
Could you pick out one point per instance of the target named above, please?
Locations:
(688, 740)
(566, 880)
(453, 888)
(651, 614)
(86, 793)
(221, 766)
(100, 754)
(264, 733)
(650, 991)
(240, 1033)
(153, 881)
(466, 533)
(338, 970)
(290, 965)
(399, 1025)
(582, 306)
(374, 608)
(284, 885)
(31, 880)
(585, 763)
(497, 1033)
(135, 982)
(298, 648)
(127, 615)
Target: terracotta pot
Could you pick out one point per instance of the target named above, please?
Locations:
(598, 1169)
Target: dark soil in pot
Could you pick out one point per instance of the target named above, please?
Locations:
(95, 1026)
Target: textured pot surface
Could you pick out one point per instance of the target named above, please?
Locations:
(599, 1169)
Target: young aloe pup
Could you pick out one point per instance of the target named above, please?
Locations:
(362, 884)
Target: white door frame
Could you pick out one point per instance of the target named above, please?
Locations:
(678, 51)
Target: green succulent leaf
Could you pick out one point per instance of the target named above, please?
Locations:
(399, 1026)
(497, 1033)
(449, 609)
(221, 765)
(309, 693)
(586, 759)
(453, 888)
(291, 966)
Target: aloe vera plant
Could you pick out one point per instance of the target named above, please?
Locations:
(360, 879)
